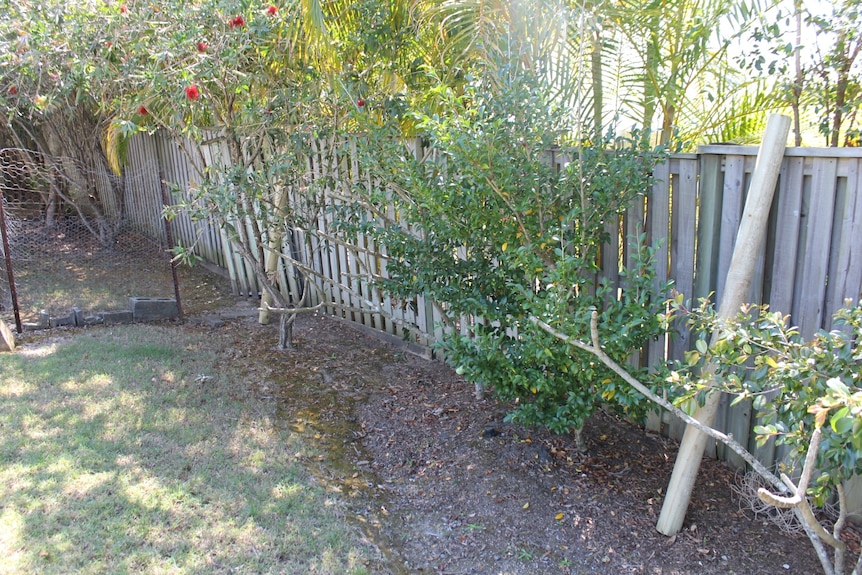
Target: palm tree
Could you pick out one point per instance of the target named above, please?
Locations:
(678, 48)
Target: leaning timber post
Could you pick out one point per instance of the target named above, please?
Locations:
(749, 238)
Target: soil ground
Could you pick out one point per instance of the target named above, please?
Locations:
(442, 484)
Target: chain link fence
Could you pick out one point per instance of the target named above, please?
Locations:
(68, 243)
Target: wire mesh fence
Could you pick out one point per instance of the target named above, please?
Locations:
(68, 244)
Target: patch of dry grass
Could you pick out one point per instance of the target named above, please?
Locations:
(137, 450)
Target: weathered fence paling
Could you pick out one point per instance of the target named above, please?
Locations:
(811, 263)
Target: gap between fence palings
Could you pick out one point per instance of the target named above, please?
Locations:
(750, 236)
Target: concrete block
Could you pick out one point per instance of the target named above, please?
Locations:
(153, 308)
(123, 316)
(63, 320)
(78, 315)
(44, 320)
(212, 320)
(7, 338)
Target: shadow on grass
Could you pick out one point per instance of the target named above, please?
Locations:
(138, 450)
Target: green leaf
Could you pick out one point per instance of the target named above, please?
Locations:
(691, 358)
(701, 345)
(689, 405)
(765, 430)
(838, 387)
(841, 422)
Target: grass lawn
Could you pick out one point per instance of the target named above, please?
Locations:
(136, 449)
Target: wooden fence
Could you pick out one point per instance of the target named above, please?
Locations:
(810, 263)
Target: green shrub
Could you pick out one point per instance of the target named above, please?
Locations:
(794, 385)
(495, 232)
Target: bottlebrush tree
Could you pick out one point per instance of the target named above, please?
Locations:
(260, 81)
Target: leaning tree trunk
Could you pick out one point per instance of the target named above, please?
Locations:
(72, 148)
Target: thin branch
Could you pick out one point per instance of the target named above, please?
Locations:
(292, 310)
(372, 308)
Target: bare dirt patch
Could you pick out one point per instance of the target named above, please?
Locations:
(444, 485)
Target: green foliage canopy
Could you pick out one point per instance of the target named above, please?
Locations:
(505, 221)
(794, 385)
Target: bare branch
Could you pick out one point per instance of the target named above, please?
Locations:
(292, 310)
(372, 308)
(798, 492)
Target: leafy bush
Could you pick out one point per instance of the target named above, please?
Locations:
(495, 232)
(795, 385)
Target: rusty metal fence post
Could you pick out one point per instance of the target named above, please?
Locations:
(9, 273)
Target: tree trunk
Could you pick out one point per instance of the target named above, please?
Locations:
(273, 254)
(650, 89)
(285, 331)
(847, 57)
(51, 206)
(797, 83)
(667, 123)
(597, 80)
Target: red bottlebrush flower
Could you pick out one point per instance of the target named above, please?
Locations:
(272, 10)
(143, 111)
(237, 22)
(13, 90)
(108, 44)
(360, 102)
(202, 47)
(123, 9)
(192, 92)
